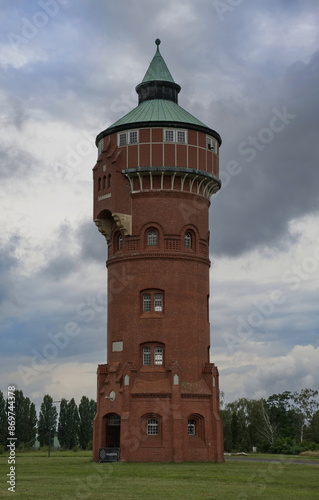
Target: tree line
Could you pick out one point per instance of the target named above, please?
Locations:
(73, 425)
(283, 423)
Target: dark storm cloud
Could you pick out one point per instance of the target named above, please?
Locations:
(277, 174)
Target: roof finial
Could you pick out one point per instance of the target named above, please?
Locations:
(157, 41)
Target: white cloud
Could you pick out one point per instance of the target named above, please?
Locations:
(257, 372)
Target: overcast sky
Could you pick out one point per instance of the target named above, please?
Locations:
(248, 69)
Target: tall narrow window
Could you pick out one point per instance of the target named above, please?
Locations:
(146, 356)
(99, 184)
(188, 240)
(191, 427)
(146, 302)
(158, 302)
(152, 427)
(158, 356)
(109, 181)
(152, 238)
(104, 182)
(120, 242)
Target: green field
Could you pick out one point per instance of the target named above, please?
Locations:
(69, 475)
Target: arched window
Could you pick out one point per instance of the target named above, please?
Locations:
(152, 425)
(99, 184)
(195, 426)
(109, 181)
(152, 238)
(188, 240)
(191, 427)
(104, 182)
(153, 354)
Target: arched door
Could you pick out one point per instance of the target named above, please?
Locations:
(113, 430)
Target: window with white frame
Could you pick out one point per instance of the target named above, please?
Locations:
(146, 302)
(122, 139)
(158, 302)
(211, 144)
(152, 355)
(152, 427)
(132, 136)
(152, 301)
(158, 356)
(169, 135)
(146, 356)
(173, 135)
(127, 137)
(181, 136)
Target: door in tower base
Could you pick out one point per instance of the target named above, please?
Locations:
(113, 430)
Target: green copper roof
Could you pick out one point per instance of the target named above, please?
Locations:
(157, 69)
(158, 103)
(158, 110)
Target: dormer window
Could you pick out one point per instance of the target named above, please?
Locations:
(173, 135)
(127, 137)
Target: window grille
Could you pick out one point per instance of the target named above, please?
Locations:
(133, 137)
(169, 135)
(181, 136)
(122, 139)
(158, 356)
(188, 240)
(146, 302)
(152, 238)
(158, 302)
(146, 356)
(152, 427)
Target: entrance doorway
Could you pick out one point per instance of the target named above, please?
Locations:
(113, 430)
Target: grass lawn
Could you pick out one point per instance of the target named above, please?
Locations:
(69, 475)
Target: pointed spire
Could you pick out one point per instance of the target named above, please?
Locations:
(158, 82)
(158, 69)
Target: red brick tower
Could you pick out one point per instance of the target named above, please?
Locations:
(157, 167)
